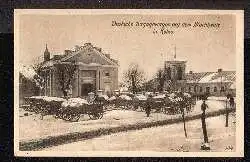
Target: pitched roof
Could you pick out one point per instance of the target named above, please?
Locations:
(211, 77)
(87, 47)
(71, 54)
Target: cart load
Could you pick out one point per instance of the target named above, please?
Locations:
(73, 108)
(44, 104)
(139, 101)
(124, 101)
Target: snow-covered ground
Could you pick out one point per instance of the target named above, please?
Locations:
(32, 127)
(162, 139)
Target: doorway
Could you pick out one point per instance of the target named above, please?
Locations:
(87, 88)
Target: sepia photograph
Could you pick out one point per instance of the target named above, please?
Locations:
(160, 83)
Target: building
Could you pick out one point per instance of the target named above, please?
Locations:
(219, 83)
(95, 71)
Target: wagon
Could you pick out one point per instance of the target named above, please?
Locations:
(124, 101)
(139, 102)
(44, 105)
(34, 103)
(73, 108)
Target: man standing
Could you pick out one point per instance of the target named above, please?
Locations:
(148, 105)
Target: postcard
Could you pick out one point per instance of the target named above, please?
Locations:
(128, 83)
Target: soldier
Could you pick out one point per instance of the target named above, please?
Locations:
(231, 102)
(148, 105)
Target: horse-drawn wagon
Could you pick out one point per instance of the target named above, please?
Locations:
(73, 108)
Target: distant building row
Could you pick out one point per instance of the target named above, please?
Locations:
(219, 83)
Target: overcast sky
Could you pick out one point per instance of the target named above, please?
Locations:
(205, 49)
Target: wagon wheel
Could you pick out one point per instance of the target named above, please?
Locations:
(66, 116)
(59, 114)
(130, 106)
(100, 115)
(74, 117)
(92, 116)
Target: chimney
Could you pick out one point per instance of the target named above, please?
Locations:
(98, 49)
(87, 44)
(219, 70)
(77, 47)
(107, 55)
(190, 72)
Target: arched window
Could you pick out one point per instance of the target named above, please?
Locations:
(200, 89)
(189, 89)
(207, 89)
(215, 89)
(195, 88)
(222, 89)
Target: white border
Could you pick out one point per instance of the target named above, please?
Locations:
(239, 82)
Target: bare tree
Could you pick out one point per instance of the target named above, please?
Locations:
(65, 72)
(134, 77)
(40, 77)
(161, 77)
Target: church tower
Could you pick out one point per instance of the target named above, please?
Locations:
(175, 73)
(46, 54)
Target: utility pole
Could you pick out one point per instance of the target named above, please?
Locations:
(205, 146)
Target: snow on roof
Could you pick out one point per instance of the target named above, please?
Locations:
(211, 77)
(207, 78)
(28, 72)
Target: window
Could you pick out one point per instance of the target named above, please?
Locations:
(107, 74)
(222, 89)
(207, 89)
(200, 89)
(189, 89)
(48, 80)
(215, 89)
(195, 88)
